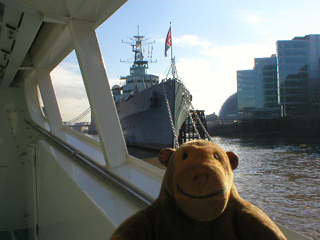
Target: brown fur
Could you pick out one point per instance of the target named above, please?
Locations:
(198, 200)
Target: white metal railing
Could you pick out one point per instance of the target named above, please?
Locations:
(129, 190)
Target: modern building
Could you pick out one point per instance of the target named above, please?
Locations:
(266, 83)
(257, 88)
(299, 75)
(229, 107)
(287, 83)
(246, 84)
(229, 110)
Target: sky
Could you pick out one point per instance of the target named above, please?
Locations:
(212, 39)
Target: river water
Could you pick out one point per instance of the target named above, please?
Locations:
(281, 178)
(278, 176)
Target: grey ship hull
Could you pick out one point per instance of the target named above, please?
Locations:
(144, 116)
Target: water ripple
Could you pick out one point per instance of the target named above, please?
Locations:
(281, 178)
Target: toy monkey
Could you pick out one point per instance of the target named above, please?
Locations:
(198, 200)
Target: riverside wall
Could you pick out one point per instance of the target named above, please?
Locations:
(291, 126)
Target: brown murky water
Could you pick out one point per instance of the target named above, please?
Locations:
(281, 178)
(278, 176)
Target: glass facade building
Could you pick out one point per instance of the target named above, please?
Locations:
(299, 75)
(266, 77)
(246, 84)
(257, 88)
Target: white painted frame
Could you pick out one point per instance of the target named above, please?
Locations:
(99, 93)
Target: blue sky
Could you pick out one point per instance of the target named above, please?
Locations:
(212, 39)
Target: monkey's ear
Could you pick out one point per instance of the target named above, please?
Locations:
(234, 160)
(165, 155)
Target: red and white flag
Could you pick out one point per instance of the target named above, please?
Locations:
(168, 42)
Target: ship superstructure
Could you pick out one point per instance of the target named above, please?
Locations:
(151, 112)
(138, 79)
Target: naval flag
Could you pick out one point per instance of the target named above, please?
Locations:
(168, 42)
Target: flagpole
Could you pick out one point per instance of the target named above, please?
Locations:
(172, 61)
(171, 42)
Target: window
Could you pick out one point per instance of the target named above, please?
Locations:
(71, 95)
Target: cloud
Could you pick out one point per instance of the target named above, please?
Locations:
(253, 19)
(67, 81)
(188, 41)
(70, 92)
(212, 77)
(191, 41)
(240, 56)
(208, 86)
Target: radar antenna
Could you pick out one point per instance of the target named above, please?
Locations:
(138, 44)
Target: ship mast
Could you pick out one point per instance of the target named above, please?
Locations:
(168, 45)
(137, 44)
(138, 70)
(137, 48)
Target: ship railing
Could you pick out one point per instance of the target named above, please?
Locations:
(131, 191)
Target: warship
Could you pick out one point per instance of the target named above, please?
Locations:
(150, 111)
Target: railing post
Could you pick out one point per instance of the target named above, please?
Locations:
(49, 99)
(99, 93)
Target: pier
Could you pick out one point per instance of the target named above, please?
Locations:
(188, 132)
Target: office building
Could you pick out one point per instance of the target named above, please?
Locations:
(266, 83)
(246, 83)
(299, 75)
(257, 88)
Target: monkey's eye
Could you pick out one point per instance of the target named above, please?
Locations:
(216, 156)
(185, 156)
